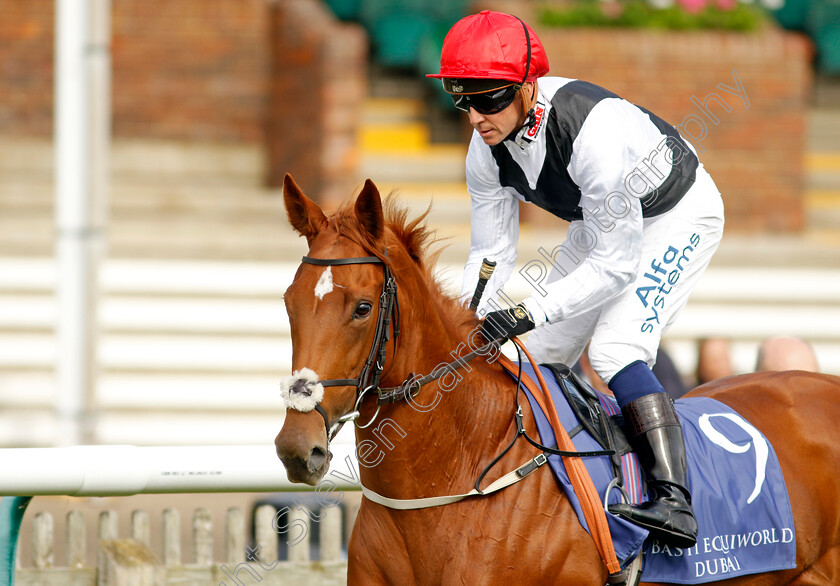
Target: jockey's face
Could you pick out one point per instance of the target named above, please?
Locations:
(494, 128)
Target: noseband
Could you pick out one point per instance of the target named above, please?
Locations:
(371, 373)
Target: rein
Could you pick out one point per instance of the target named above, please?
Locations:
(587, 493)
(412, 385)
(588, 497)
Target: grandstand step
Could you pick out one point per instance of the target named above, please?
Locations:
(158, 277)
(389, 84)
(149, 391)
(38, 427)
(127, 200)
(392, 110)
(395, 138)
(824, 124)
(135, 287)
(171, 317)
(823, 209)
(158, 353)
(187, 344)
(151, 160)
(141, 315)
(444, 163)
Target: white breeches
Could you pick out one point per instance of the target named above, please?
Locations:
(677, 248)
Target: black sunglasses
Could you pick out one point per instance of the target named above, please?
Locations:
(487, 102)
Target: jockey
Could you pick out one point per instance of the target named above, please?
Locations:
(645, 219)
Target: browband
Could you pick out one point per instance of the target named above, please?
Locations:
(358, 260)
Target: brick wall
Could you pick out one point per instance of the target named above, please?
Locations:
(26, 67)
(191, 69)
(755, 153)
(194, 69)
(753, 144)
(319, 83)
(286, 76)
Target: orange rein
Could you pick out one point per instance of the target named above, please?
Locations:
(590, 502)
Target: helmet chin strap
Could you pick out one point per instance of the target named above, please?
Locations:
(519, 136)
(530, 115)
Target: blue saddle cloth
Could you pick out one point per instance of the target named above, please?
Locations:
(738, 491)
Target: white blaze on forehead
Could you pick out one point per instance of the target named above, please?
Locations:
(324, 284)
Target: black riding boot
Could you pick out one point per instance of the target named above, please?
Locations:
(655, 433)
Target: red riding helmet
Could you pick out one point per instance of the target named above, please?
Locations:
(483, 48)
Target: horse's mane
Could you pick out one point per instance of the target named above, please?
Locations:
(416, 238)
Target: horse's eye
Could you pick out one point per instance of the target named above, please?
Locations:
(362, 310)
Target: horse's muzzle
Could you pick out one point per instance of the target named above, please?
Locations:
(306, 461)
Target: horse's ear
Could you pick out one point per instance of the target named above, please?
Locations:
(369, 211)
(304, 214)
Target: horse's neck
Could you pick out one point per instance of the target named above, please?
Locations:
(445, 435)
(442, 438)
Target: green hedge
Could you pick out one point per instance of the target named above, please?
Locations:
(639, 14)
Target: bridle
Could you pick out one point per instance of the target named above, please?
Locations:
(371, 373)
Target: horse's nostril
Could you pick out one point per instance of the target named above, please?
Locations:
(317, 459)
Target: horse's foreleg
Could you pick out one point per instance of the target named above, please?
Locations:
(362, 571)
(376, 555)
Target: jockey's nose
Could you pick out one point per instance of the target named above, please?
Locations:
(475, 116)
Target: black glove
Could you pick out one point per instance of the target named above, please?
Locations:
(506, 323)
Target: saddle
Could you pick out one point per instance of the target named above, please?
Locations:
(605, 428)
(592, 424)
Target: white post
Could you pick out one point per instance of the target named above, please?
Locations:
(82, 140)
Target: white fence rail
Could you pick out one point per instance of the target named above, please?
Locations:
(127, 470)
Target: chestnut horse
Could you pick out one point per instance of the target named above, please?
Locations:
(439, 442)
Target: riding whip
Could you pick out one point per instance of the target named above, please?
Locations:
(487, 268)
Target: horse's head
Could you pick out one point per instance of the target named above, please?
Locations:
(334, 309)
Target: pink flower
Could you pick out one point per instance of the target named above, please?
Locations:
(727, 4)
(692, 6)
(611, 9)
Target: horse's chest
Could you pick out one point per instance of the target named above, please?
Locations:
(516, 543)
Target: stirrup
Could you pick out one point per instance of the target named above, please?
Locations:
(629, 576)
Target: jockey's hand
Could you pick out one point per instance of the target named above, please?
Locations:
(507, 323)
